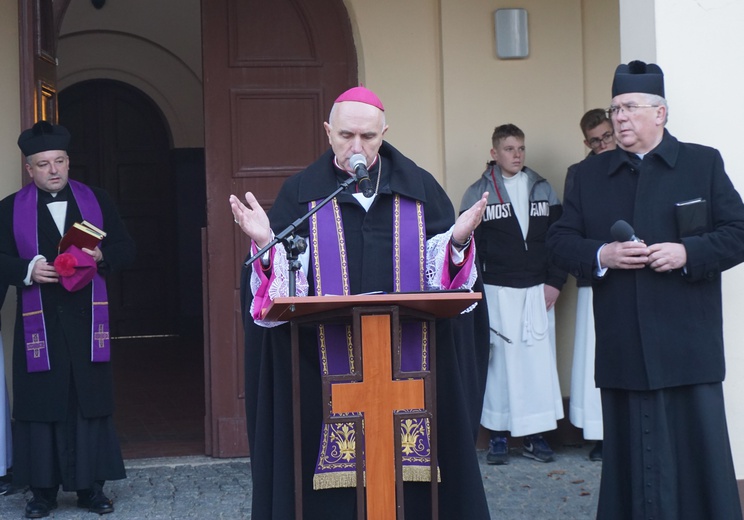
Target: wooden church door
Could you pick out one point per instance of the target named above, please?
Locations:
(271, 73)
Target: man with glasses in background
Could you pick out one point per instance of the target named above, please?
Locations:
(656, 281)
(598, 137)
(585, 410)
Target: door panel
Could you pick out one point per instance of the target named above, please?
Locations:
(270, 78)
(120, 142)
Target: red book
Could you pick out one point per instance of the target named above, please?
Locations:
(82, 235)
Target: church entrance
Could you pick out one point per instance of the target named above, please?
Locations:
(121, 143)
(270, 74)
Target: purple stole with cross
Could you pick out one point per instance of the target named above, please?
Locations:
(25, 230)
(336, 463)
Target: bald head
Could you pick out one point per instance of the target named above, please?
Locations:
(355, 127)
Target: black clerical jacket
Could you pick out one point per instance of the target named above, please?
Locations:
(462, 346)
(654, 330)
(43, 396)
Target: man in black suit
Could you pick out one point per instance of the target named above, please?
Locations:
(62, 378)
(657, 306)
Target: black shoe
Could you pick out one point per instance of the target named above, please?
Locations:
(39, 507)
(498, 451)
(535, 447)
(96, 502)
(596, 453)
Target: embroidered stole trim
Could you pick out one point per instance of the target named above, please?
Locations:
(25, 229)
(336, 463)
(26, 232)
(100, 346)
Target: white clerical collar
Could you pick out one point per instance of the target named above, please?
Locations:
(365, 202)
(58, 211)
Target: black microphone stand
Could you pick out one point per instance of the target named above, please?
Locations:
(293, 244)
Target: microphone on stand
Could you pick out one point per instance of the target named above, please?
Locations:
(359, 163)
(623, 232)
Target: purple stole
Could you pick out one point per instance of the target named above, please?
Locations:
(25, 229)
(336, 463)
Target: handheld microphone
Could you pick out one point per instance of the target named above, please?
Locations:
(359, 163)
(623, 232)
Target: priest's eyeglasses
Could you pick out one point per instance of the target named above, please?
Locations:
(628, 108)
(596, 142)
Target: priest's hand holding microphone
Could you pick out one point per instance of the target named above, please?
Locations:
(630, 252)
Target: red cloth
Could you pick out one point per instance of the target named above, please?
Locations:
(76, 268)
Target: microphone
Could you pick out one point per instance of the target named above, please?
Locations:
(359, 163)
(623, 232)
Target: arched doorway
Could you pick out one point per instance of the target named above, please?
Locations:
(121, 142)
(271, 72)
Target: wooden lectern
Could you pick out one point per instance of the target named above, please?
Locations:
(378, 389)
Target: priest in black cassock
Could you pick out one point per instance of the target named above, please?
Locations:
(657, 306)
(62, 380)
(402, 236)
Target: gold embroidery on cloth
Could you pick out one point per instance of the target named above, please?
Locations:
(341, 437)
(425, 346)
(316, 252)
(350, 349)
(338, 438)
(412, 432)
(323, 349)
(396, 243)
(422, 244)
(341, 246)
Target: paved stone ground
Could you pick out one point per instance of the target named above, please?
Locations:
(525, 489)
(205, 488)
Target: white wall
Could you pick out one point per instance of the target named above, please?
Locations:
(699, 45)
(637, 31)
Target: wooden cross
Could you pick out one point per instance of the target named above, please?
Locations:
(36, 345)
(101, 336)
(377, 397)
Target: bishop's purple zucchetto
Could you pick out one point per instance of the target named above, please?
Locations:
(361, 95)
